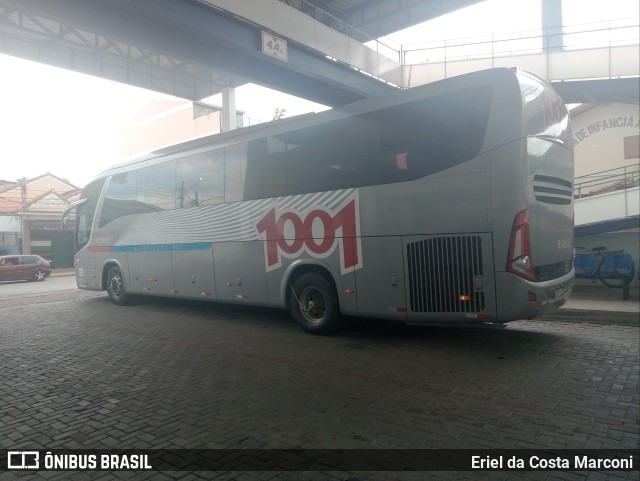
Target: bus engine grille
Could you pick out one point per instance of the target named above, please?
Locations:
(444, 273)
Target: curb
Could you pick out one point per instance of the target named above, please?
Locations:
(62, 273)
(583, 316)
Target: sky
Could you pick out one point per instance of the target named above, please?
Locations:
(63, 122)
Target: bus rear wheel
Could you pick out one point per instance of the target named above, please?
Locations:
(115, 287)
(314, 304)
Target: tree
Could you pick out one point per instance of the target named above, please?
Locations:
(279, 113)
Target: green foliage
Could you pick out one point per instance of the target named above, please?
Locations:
(279, 113)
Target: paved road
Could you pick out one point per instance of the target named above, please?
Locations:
(79, 372)
(17, 288)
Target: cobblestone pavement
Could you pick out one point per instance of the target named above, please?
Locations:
(79, 372)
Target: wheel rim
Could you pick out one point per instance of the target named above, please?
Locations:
(40, 275)
(313, 304)
(116, 287)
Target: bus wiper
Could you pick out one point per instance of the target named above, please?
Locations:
(550, 138)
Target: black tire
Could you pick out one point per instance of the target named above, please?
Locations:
(39, 275)
(314, 304)
(115, 287)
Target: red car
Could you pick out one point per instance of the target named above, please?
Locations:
(27, 267)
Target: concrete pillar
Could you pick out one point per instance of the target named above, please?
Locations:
(552, 25)
(228, 119)
(26, 236)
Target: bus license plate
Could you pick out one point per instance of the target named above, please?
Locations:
(559, 292)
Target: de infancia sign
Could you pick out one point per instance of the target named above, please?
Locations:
(619, 122)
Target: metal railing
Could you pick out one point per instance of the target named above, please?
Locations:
(606, 181)
(341, 23)
(242, 121)
(600, 34)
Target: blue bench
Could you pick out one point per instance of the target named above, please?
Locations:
(617, 266)
(586, 266)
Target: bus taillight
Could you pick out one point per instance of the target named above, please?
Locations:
(519, 259)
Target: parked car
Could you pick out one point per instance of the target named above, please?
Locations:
(24, 267)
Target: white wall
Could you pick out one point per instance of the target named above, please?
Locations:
(161, 124)
(619, 204)
(9, 223)
(598, 136)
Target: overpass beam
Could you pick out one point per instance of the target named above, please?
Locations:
(207, 43)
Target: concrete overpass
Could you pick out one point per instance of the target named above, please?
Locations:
(196, 48)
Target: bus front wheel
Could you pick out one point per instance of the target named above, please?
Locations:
(115, 287)
(314, 304)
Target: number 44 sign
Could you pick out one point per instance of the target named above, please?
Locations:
(274, 47)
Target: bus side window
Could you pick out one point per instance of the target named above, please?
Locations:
(394, 166)
(200, 180)
(235, 167)
(266, 169)
(120, 197)
(331, 158)
(155, 187)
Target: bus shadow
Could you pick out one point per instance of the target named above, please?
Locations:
(209, 310)
(358, 333)
(376, 329)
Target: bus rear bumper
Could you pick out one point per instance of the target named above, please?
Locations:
(540, 297)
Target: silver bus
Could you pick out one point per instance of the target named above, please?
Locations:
(446, 203)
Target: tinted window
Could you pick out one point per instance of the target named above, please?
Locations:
(333, 156)
(425, 137)
(200, 180)
(266, 168)
(235, 166)
(156, 187)
(396, 144)
(140, 191)
(121, 198)
(30, 260)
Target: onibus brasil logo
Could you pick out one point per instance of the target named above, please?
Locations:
(317, 232)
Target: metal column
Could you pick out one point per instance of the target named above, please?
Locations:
(228, 119)
(552, 24)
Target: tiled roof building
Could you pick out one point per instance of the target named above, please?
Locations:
(30, 211)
